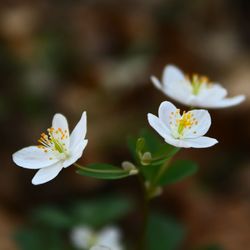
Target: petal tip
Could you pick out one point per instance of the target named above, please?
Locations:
(59, 115)
(150, 116)
(156, 82)
(84, 114)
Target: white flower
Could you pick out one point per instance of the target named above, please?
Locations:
(194, 92)
(84, 237)
(57, 149)
(184, 131)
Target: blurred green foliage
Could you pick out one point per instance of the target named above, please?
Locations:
(50, 225)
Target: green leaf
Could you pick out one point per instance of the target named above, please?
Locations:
(177, 171)
(153, 142)
(102, 211)
(156, 145)
(164, 233)
(103, 171)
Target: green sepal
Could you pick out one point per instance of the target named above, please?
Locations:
(140, 144)
(152, 144)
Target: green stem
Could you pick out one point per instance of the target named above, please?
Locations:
(162, 170)
(145, 211)
(97, 170)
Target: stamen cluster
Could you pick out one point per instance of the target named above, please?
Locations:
(197, 82)
(54, 141)
(180, 123)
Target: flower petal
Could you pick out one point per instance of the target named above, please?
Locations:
(172, 74)
(210, 93)
(156, 82)
(158, 125)
(47, 174)
(203, 124)
(76, 153)
(201, 142)
(176, 86)
(78, 134)
(166, 110)
(33, 158)
(60, 121)
(110, 236)
(179, 143)
(227, 102)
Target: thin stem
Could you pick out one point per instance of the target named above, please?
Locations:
(145, 211)
(162, 170)
(97, 170)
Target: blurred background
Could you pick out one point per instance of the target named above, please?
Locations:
(70, 56)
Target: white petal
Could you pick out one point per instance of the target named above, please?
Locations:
(47, 174)
(60, 121)
(204, 122)
(109, 237)
(201, 142)
(78, 134)
(158, 125)
(165, 111)
(214, 92)
(227, 102)
(176, 142)
(33, 158)
(156, 82)
(76, 153)
(172, 74)
(176, 86)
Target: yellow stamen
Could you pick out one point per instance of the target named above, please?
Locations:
(186, 121)
(54, 140)
(197, 82)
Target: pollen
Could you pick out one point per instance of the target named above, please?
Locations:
(186, 119)
(179, 122)
(54, 140)
(198, 82)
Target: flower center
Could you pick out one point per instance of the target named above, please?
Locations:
(54, 140)
(197, 82)
(179, 124)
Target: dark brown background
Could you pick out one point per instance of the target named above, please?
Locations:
(69, 56)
